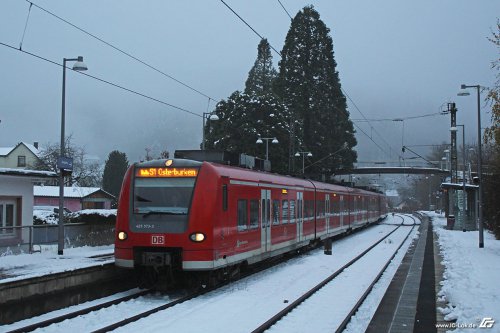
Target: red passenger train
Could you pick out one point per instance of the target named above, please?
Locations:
(183, 215)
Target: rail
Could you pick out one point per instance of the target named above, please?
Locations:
(272, 321)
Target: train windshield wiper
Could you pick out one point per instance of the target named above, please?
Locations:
(159, 212)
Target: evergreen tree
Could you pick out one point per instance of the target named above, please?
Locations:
(310, 88)
(261, 76)
(242, 119)
(114, 170)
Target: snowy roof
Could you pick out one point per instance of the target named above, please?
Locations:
(4, 151)
(27, 173)
(69, 192)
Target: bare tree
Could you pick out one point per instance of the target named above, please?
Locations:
(86, 172)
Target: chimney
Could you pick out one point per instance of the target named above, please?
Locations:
(35, 144)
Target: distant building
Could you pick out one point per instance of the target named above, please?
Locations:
(75, 198)
(16, 203)
(22, 156)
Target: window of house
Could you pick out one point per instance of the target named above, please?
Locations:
(21, 161)
(242, 215)
(254, 214)
(7, 217)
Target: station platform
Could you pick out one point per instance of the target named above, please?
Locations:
(31, 284)
(409, 304)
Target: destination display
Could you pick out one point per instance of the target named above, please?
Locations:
(166, 172)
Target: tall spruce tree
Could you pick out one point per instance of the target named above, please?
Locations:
(114, 170)
(258, 112)
(261, 76)
(310, 88)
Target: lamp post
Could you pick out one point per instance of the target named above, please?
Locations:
(209, 116)
(454, 129)
(78, 66)
(273, 140)
(303, 153)
(464, 92)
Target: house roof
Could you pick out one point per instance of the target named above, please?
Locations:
(4, 151)
(69, 192)
(27, 173)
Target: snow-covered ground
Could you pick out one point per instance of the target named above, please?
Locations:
(471, 284)
(471, 287)
(24, 266)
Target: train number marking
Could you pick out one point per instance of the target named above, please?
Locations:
(157, 240)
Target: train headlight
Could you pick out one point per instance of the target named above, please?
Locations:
(197, 237)
(122, 235)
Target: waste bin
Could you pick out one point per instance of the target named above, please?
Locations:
(450, 222)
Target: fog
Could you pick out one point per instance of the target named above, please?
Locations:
(396, 60)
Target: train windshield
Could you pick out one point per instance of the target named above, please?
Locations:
(162, 196)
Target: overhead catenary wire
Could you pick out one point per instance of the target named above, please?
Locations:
(120, 50)
(286, 11)
(104, 81)
(376, 132)
(25, 27)
(248, 25)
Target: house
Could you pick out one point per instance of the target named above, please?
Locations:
(16, 203)
(75, 198)
(22, 156)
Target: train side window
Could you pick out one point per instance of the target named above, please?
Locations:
(320, 208)
(276, 212)
(284, 214)
(292, 211)
(242, 215)
(224, 197)
(254, 214)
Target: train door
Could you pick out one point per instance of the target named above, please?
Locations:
(300, 215)
(327, 212)
(341, 211)
(265, 209)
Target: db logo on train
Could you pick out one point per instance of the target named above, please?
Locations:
(157, 240)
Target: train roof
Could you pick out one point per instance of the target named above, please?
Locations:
(285, 180)
(245, 174)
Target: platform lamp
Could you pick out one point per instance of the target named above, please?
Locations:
(273, 140)
(303, 153)
(464, 92)
(79, 65)
(212, 117)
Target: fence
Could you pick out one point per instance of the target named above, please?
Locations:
(28, 239)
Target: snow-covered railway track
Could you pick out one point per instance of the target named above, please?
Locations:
(281, 323)
(80, 312)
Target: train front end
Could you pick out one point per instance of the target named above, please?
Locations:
(152, 227)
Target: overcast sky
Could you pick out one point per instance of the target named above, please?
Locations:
(396, 59)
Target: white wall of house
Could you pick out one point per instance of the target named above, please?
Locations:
(14, 188)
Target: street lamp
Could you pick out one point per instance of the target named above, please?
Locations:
(209, 116)
(464, 92)
(309, 154)
(273, 140)
(77, 66)
(454, 129)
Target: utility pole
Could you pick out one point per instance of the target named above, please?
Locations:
(453, 158)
